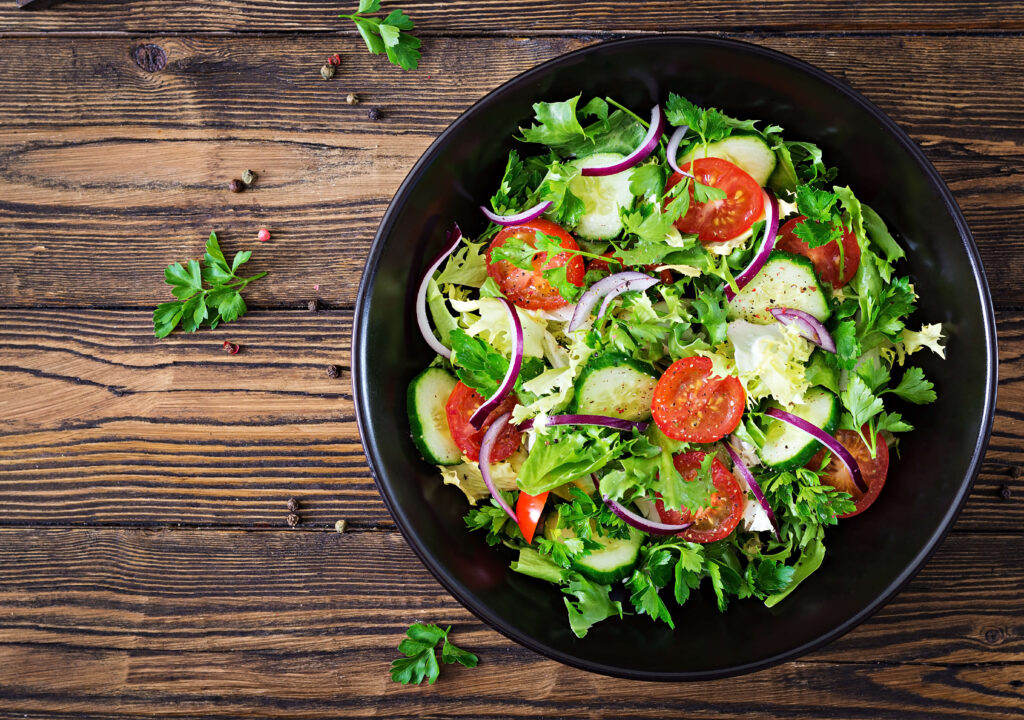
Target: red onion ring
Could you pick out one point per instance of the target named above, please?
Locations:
(809, 326)
(509, 381)
(771, 229)
(600, 420)
(834, 446)
(452, 240)
(673, 150)
(637, 284)
(639, 521)
(597, 291)
(486, 446)
(744, 471)
(518, 218)
(646, 147)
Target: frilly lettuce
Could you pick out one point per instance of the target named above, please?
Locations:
(487, 317)
(552, 388)
(770, 360)
(466, 476)
(928, 337)
(467, 266)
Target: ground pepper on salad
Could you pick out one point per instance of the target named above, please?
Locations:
(675, 356)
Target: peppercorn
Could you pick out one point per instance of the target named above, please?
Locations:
(249, 177)
(352, 99)
(293, 505)
(340, 526)
(334, 60)
(236, 186)
(1015, 472)
(333, 371)
(293, 519)
(313, 305)
(1005, 493)
(327, 72)
(263, 235)
(231, 348)
(374, 114)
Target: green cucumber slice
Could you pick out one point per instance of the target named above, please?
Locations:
(787, 447)
(603, 198)
(615, 385)
(749, 152)
(786, 280)
(426, 398)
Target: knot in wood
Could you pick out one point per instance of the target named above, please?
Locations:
(150, 58)
(993, 636)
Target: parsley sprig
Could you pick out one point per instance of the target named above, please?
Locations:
(420, 661)
(196, 304)
(389, 35)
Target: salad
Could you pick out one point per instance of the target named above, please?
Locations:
(673, 358)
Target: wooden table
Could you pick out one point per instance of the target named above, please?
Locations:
(147, 567)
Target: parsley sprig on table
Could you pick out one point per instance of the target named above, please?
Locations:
(389, 35)
(220, 302)
(420, 661)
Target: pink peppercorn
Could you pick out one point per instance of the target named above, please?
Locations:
(263, 235)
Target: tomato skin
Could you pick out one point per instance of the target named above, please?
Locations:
(826, 257)
(461, 405)
(727, 502)
(689, 404)
(528, 510)
(528, 288)
(664, 275)
(720, 220)
(872, 470)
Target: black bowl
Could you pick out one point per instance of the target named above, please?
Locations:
(870, 557)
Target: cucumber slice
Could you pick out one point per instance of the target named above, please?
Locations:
(613, 562)
(785, 446)
(786, 280)
(749, 152)
(602, 198)
(428, 393)
(615, 385)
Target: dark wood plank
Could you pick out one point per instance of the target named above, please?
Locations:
(250, 624)
(108, 172)
(534, 17)
(101, 423)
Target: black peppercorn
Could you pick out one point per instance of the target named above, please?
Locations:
(313, 305)
(373, 114)
(236, 185)
(1005, 493)
(333, 371)
(293, 505)
(293, 519)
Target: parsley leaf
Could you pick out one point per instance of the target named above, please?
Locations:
(712, 311)
(420, 661)
(477, 364)
(389, 36)
(860, 401)
(221, 302)
(592, 605)
(555, 124)
(915, 387)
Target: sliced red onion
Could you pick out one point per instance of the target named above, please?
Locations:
(808, 325)
(597, 291)
(771, 229)
(834, 446)
(646, 147)
(486, 446)
(518, 218)
(452, 241)
(673, 150)
(744, 471)
(637, 284)
(509, 381)
(600, 420)
(639, 521)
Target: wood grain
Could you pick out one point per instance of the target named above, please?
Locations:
(258, 624)
(102, 423)
(534, 17)
(108, 172)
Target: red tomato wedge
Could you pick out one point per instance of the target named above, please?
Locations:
(826, 259)
(461, 405)
(873, 470)
(720, 220)
(528, 288)
(528, 510)
(727, 502)
(689, 404)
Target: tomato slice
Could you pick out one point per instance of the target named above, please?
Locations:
(528, 510)
(689, 404)
(727, 502)
(528, 288)
(664, 275)
(461, 405)
(825, 257)
(720, 220)
(873, 470)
